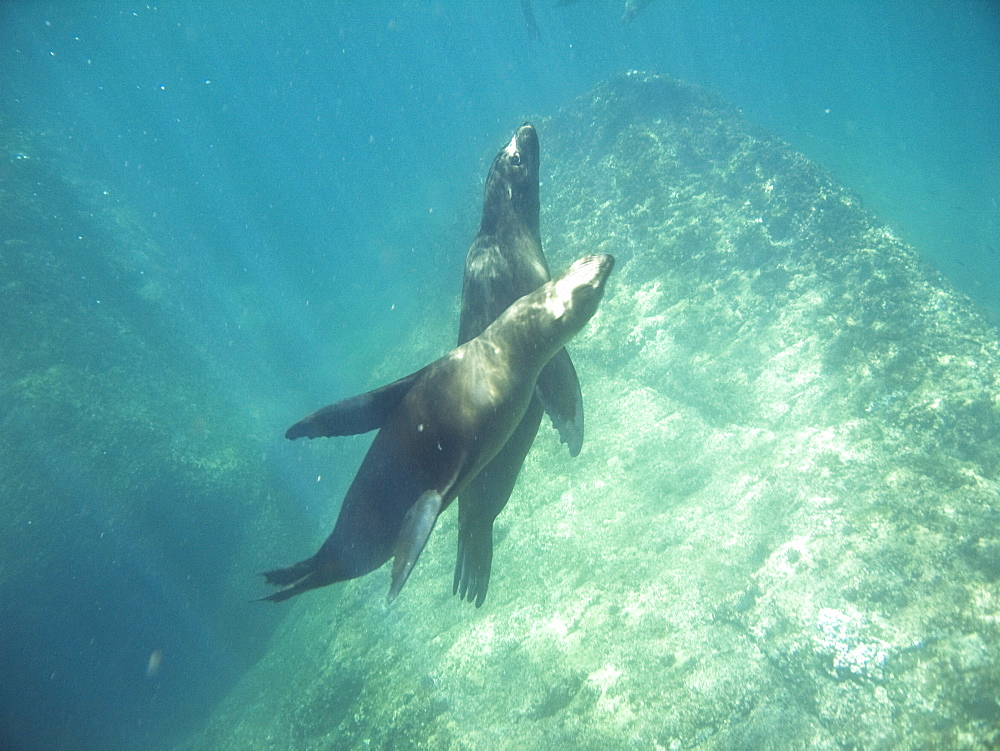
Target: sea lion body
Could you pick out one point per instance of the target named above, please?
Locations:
(505, 262)
(438, 428)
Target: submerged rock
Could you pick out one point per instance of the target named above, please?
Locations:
(130, 486)
(783, 529)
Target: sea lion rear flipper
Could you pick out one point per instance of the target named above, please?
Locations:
(475, 560)
(481, 502)
(417, 526)
(296, 579)
(356, 414)
(282, 577)
(558, 388)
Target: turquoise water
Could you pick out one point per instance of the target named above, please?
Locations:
(218, 217)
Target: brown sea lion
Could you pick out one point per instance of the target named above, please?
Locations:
(438, 428)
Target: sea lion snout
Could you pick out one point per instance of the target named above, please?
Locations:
(597, 267)
(577, 293)
(525, 141)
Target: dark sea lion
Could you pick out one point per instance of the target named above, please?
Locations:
(504, 262)
(438, 428)
(529, 19)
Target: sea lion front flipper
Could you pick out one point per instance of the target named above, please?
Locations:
(356, 414)
(558, 388)
(417, 526)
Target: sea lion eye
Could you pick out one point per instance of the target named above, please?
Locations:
(515, 159)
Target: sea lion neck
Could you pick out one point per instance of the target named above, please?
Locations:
(506, 206)
(539, 324)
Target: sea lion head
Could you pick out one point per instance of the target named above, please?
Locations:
(572, 299)
(512, 183)
(539, 324)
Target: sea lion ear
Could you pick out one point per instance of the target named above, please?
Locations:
(417, 526)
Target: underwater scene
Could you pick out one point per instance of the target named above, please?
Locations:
(589, 375)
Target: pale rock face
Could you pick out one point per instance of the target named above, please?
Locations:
(782, 530)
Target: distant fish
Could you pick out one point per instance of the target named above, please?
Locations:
(529, 19)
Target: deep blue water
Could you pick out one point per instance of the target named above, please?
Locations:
(325, 160)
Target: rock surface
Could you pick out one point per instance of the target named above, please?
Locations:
(783, 530)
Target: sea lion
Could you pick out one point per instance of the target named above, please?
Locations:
(529, 19)
(632, 8)
(504, 262)
(438, 428)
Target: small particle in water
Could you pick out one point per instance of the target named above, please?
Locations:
(154, 662)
